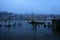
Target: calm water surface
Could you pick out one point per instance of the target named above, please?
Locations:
(26, 31)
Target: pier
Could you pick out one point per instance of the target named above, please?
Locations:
(56, 25)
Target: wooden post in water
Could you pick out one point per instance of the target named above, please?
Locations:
(9, 18)
(20, 19)
(9, 25)
(20, 24)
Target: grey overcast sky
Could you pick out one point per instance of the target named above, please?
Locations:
(29, 6)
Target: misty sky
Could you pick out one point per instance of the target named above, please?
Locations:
(29, 6)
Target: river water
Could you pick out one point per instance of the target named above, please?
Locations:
(22, 30)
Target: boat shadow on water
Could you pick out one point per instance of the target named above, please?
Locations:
(35, 24)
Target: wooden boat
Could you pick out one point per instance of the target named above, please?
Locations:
(36, 23)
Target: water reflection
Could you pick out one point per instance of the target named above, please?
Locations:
(35, 25)
(44, 25)
(49, 25)
(32, 30)
(0, 25)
